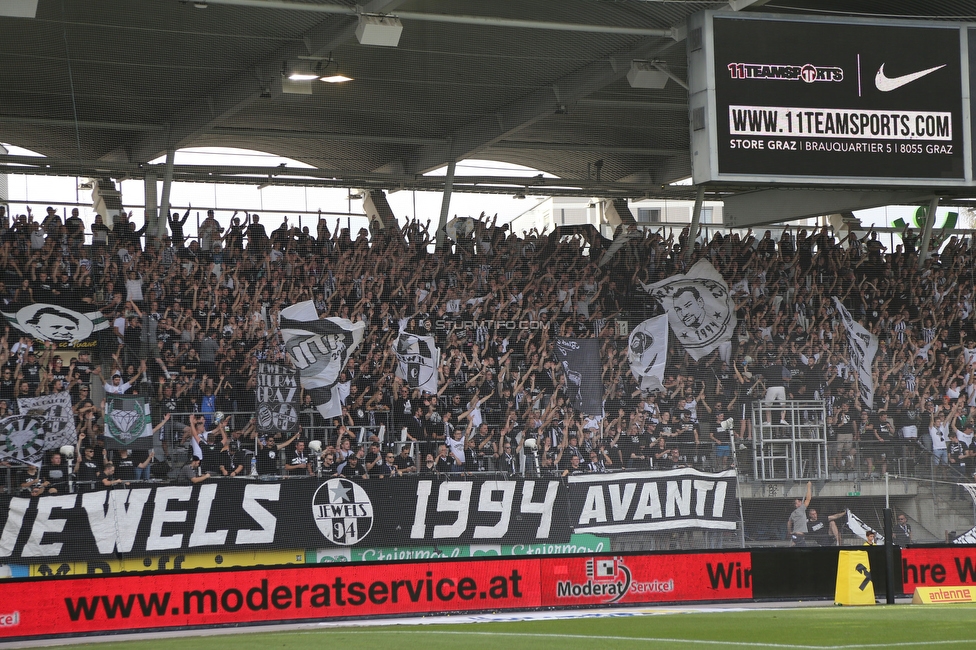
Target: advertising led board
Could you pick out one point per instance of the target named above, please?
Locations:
(825, 101)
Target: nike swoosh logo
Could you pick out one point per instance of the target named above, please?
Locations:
(887, 84)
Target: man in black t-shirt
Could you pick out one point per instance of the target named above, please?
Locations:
(297, 461)
(230, 463)
(55, 473)
(267, 456)
(353, 469)
(823, 531)
(88, 469)
(687, 433)
(405, 464)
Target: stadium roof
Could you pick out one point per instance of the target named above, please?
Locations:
(109, 84)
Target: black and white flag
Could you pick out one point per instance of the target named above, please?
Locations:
(418, 359)
(700, 310)
(128, 423)
(43, 423)
(319, 349)
(969, 537)
(640, 501)
(277, 399)
(859, 528)
(862, 345)
(55, 323)
(647, 352)
(580, 361)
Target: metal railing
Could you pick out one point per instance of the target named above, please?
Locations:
(789, 440)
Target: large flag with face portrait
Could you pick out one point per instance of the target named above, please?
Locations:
(647, 352)
(55, 323)
(319, 349)
(700, 310)
(862, 345)
(418, 359)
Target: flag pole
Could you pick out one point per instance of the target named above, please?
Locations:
(889, 550)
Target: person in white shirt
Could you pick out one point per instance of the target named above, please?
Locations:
(115, 386)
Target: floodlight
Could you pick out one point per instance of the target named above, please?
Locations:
(379, 30)
(335, 79)
(646, 74)
(726, 425)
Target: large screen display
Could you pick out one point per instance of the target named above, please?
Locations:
(821, 101)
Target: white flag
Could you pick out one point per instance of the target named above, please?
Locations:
(319, 349)
(862, 346)
(648, 352)
(700, 310)
(861, 529)
(418, 359)
(969, 537)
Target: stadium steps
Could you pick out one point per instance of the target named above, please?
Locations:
(937, 513)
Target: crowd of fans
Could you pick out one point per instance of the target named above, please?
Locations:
(191, 320)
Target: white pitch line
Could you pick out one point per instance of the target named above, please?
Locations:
(636, 639)
(751, 644)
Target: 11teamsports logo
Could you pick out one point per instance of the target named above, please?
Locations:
(807, 73)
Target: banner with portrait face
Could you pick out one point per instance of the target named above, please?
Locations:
(700, 310)
(65, 327)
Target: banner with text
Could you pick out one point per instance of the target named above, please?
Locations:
(632, 502)
(262, 595)
(306, 512)
(277, 399)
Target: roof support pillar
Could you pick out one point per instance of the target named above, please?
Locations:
(923, 248)
(695, 223)
(152, 215)
(167, 185)
(441, 234)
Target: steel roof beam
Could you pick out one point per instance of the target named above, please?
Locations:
(511, 118)
(245, 87)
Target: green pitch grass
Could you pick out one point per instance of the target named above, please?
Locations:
(904, 626)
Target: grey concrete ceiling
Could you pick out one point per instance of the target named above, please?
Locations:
(122, 81)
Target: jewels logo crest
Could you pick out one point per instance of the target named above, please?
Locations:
(342, 511)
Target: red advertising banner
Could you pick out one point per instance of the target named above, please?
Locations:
(611, 580)
(43, 607)
(231, 597)
(936, 567)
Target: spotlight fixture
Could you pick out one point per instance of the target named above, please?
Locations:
(726, 425)
(200, 5)
(379, 30)
(647, 74)
(312, 69)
